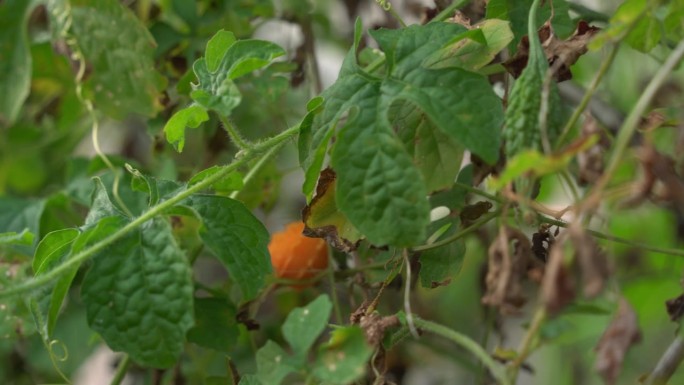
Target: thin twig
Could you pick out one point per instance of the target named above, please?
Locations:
(668, 363)
(612, 238)
(449, 11)
(631, 123)
(468, 344)
(588, 94)
(121, 370)
(472, 228)
(527, 345)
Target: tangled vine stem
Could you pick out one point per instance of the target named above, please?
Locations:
(248, 155)
(468, 344)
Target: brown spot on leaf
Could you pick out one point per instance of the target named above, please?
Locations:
(560, 54)
(509, 259)
(622, 333)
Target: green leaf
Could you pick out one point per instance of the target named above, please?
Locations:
(343, 359)
(119, 50)
(237, 238)
(101, 206)
(637, 22)
(304, 324)
(138, 295)
(439, 265)
(475, 48)
(517, 12)
(215, 324)
(216, 90)
(17, 214)
(273, 364)
(436, 155)
(52, 250)
(249, 379)
(230, 182)
(323, 219)
(15, 58)
(25, 238)
(381, 190)
(674, 20)
(217, 47)
(174, 129)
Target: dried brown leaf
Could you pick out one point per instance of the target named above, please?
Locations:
(622, 333)
(561, 54)
(592, 261)
(509, 259)
(675, 308)
(558, 285)
(590, 161)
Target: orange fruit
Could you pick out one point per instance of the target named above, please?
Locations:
(295, 256)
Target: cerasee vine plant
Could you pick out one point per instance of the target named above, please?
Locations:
(385, 185)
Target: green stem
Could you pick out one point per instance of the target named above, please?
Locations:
(477, 191)
(449, 11)
(233, 133)
(257, 167)
(612, 238)
(121, 370)
(476, 225)
(333, 291)
(527, 344)
(152, 212)
(468, 344)
(631, 123)
(588, 94)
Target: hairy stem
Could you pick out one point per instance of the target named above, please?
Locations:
(233, 133)
(248, 154)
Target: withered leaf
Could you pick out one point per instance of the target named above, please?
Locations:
(323, 220)
(558, 284)
(675, 308)
(590, 160)
(506, 270)
(622, 333)
(588, 261)
(592, 261)
(561, 54)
